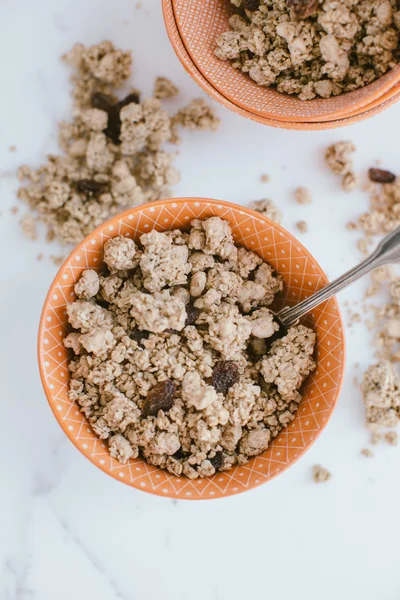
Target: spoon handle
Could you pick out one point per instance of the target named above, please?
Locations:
(388, 251)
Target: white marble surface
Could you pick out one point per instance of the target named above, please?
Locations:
(69, 531)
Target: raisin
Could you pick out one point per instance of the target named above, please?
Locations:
(91, 187)
(133, 98)
(192, 314)
(160, 397)
(217, 460)
(113, 128)
(381, 176)
(106, 103)
(225, 374)
(138, 336)
(303, 8)
(179, 454)
(102, 101)
(251, 4)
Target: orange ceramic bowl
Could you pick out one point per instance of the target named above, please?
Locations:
(302, 276)
(195, 25)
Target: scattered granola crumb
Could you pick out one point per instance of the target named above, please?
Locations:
(164, 89)
(197, 115)
(320, 474)
(338, 157)
(381, 392)
(311, 48)
(302, 195)
(302, 226)
(164, 352)
(265, 178)
(268, 208)
(112, 150)
(392, 438)
(14, 210)
(350, 181)
(28, 224)
(40, 256)
(376, 437)
(12, 148)
(367, 452)
(57, 260)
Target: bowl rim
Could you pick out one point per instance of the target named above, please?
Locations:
(387, 100)
(182, 200)
(373, 94)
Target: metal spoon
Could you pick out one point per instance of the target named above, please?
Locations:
(388, 251)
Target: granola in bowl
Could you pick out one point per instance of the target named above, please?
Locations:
(175, 355)
(312, 48)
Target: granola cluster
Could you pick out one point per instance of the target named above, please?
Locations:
(175, 355)
(113, 149)
(312, 48)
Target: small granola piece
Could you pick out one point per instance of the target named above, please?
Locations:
(198, 284)
(381, 176)
(302, 195)
(367, 452)
(158, 312)
(240, 400)
(320, 474)
(255, 442)
(265, 178)
(247, 261)
(228, 330)
(28, 224)
(338, 157)
(392, 438)
(302, 226)
(163, 262)
(349, 181)
(381, 391)
(218, 238)
(86, 316)
(120, 253)
(164, 89)
(97, 341)
(197, 115)
(161, 397)
(225, 374)
(120, 448)
(196, 392)
(267, 207)
(88, 285)
(289, 361)
(263, 324)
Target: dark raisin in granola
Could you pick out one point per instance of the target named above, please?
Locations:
(381, 176)
(251, 4)
(102, 101)
(138, 336)
(160, 397)
(217, 460)
(225, 374)
(302, 9)
(192, 314)
(91, 187)
(132, 98)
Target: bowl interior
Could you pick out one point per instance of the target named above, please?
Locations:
(200, 23)
(302, 276)
(389, 98)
